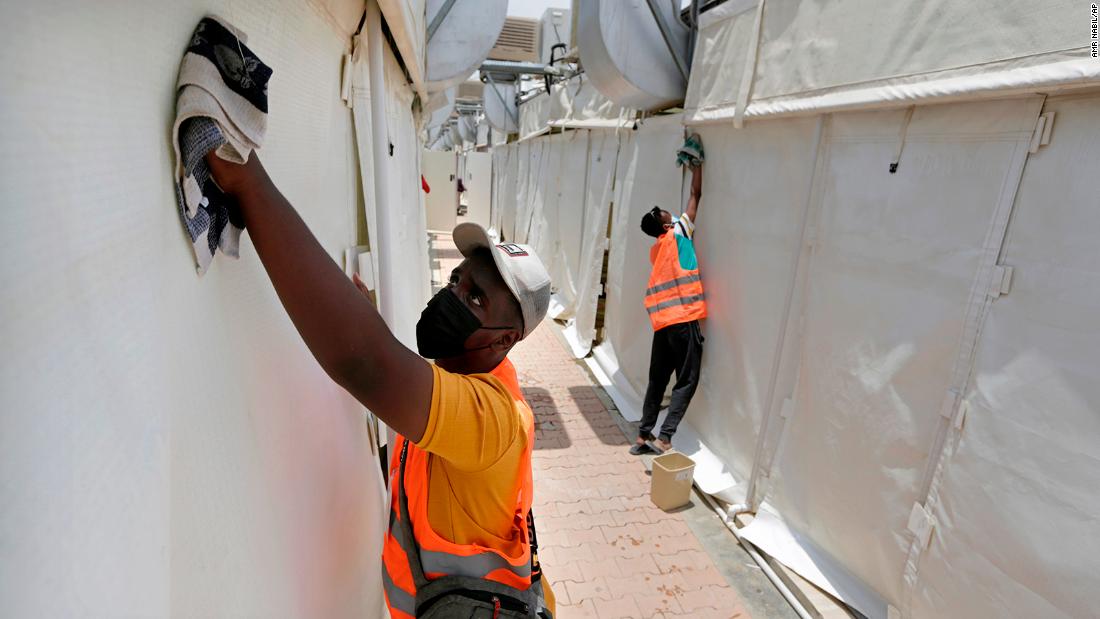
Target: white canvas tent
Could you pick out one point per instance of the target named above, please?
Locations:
(168, 446)
(894, 249)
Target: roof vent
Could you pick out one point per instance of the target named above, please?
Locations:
(518, 41)
(625, 55)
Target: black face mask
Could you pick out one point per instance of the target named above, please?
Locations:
(445, 325)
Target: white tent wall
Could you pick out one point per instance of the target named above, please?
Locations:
(569, 230)
(532, 164)
(858, 314)
(544, 194)
(440, 204)
(504, 186)
(746, 288)
(585, 282)
(815, 55)
(477, 176)
(169, 446)
(646, 176)
(534, 115)
(1014, 503)
(405, 253)
(556, 228)
(748, 240)
(575, 102)
(891, 313)
(571, 220)
(520, 154)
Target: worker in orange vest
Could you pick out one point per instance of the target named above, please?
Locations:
(461, 538)
(675, 303)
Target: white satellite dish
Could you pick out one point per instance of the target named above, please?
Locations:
(500, 106)
(482, 133)
(467, 127)
(439, 107)
(435, 135)
(462, 40)
(625, 55)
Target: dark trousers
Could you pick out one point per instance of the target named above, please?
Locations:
(676, 348)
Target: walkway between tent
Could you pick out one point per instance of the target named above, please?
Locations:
(607, 550)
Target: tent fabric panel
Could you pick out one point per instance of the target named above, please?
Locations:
(504, 186)
(885, 317)
(564, 250)
(407, 253)
(542, 232)
(1016, 507)
(122, 366)
(747, 240)
(810, 49)
(576, 102)
(534, 115)
(648, 177)
(603, 156)
(530, 191)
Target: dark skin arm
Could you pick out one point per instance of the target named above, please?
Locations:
(696, 192)
(336, 320)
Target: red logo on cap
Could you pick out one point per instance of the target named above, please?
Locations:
(513, 250)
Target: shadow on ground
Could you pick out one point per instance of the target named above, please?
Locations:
(550, 432)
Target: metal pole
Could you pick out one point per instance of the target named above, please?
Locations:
(694, 31)
(439, 17)
(518, 68)
(666, 34)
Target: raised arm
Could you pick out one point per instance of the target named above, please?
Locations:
(696, 192)
(338, 323)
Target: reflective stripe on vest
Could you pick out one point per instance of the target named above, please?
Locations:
(669, 285)
(396, 597)
(510, 565)
(674, 294)
(674, 302)
(477, 565)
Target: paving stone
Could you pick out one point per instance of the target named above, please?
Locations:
(657, 604)
(582, 610)
(624, 607)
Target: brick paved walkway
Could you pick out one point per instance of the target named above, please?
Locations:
(607, 550)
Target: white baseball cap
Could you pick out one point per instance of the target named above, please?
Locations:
(518, 265)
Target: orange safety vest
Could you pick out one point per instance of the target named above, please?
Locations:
(674, 294)
(510, 566)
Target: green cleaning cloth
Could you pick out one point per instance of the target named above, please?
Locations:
(691, 153)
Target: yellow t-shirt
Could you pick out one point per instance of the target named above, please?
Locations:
(477, 433)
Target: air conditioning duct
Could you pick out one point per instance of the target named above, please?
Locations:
(439, 107)
(625, 53)
(461, 40)
(499, 99)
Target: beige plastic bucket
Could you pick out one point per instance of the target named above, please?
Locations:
(670, 486)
